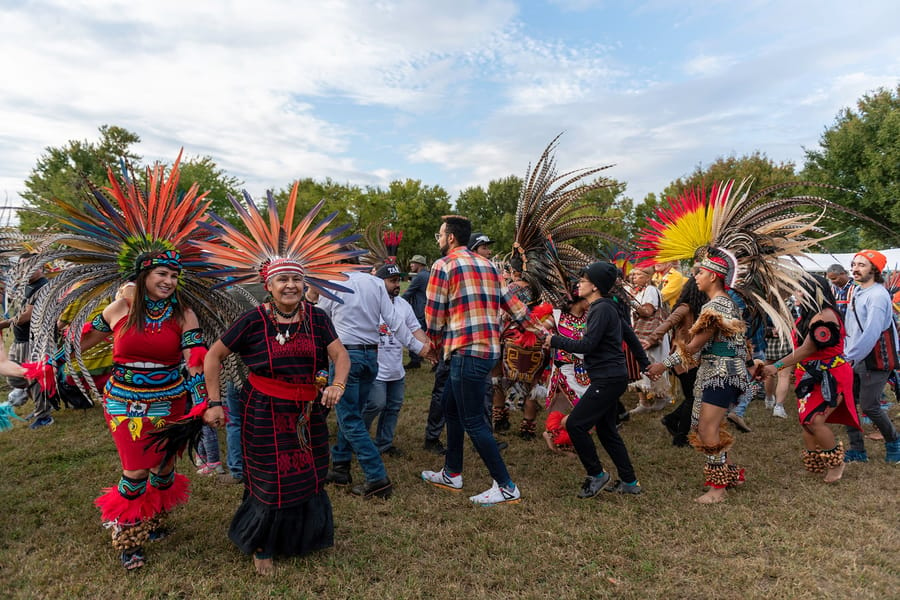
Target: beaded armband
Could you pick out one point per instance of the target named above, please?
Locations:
(58, 359)
(100, 324)
(672, 360)
(192, 338)
(196, 386)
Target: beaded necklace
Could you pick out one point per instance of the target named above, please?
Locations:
(156, 312)
(283, 337)
(289, 315)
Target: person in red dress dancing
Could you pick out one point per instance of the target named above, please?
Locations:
(823, 377)
(140, 230)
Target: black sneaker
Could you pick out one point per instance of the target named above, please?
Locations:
(412, 365)
(375, 489)
(339, 474)
(592, 485)
(671, 428)
(620, 487)
(393, 451)
(435, 447)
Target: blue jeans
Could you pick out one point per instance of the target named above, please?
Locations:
(745, 399)
(352, 435)
(235, 456)
(209, 445)
(464, 411)
(385, 400)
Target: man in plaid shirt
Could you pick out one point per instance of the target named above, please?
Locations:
(462, 315)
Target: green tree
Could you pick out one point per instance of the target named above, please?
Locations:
(417, 212)
(861, 152)
(763, 170)
(206, 173)
(60, 171)
(493, 211)
(615, 214)
(642, 212)
(406, 206)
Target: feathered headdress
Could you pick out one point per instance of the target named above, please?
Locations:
(547, 217)
(111, 235)
(382, 245)
(750, 239)
(276, 245)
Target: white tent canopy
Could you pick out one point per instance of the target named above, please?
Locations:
(817, 263)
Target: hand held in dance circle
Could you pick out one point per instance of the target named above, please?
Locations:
(655, 371)
(332, 394)
(214, 416)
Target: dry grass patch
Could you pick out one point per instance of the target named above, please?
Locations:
(784, 535)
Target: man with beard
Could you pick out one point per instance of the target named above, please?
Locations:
(357, 316)
(869, 314)
(465, 297)
(386, 397)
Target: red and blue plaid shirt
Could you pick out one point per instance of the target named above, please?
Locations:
(466, 298)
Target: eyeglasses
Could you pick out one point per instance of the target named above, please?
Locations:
(437, 237)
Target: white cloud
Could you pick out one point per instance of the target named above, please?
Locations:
(705, 66)
(368, 91)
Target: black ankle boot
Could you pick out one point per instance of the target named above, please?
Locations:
(339, 474)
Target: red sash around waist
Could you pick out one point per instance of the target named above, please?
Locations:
(296, 392)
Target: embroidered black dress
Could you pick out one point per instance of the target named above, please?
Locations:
(285, 510)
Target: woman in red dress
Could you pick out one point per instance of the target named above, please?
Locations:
(824, 379)
(153, 333)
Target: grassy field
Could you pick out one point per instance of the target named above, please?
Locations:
(785, 534)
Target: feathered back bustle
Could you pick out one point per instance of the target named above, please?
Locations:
(547, 218)
(760, 234)
(101, 240)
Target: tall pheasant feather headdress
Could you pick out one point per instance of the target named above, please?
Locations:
(548, 216)
(748, 238)
(276, 245)
(110, 236)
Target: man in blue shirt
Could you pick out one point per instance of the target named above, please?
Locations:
(869, 314)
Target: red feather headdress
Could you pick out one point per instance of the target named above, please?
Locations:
(274, 243)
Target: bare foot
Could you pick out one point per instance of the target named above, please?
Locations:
(875, 435)
(264, 566)
(713, 496)
(834, 473)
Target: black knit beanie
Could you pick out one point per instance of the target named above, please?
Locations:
(603, 275)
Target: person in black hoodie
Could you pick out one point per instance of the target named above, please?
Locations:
(604, 361)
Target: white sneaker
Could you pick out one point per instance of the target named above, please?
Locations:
(442, 480)
(770, 402)
(639, 410)
(778, 411)
(497, 495)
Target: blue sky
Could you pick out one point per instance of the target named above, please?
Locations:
(451, 93)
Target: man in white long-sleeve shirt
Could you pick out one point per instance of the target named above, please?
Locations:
(386, 398)
(869, 313)
(356, 321)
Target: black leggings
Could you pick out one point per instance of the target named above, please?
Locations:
(680, 418)
(597, 408)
